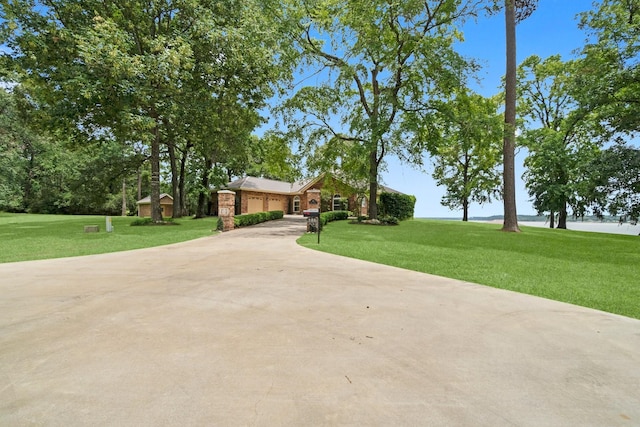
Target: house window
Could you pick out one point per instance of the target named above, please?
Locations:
(296, 204)
(337, 205)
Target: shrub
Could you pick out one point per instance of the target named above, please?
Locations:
(327, 217)
(400, 206)
(141, 221)
(256, 218)
(389, 220)
(220, 224)
(149, 221)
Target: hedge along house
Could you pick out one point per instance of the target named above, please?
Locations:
(263, 195)
(166, 203)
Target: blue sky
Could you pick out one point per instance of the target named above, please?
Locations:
(552, 29)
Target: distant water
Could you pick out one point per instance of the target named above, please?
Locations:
(596, 227)
(593, 226)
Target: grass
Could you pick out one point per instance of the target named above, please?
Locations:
(26, 237)
(596, 270)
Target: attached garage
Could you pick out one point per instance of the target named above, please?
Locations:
(255, 204)
(277, 204)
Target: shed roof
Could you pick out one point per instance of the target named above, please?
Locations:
(147, 200)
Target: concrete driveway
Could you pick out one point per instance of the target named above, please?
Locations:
(247, 328)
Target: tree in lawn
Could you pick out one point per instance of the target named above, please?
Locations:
(561, 138)
(615, 182)
(382, 59)
(467, 155)
(514, 12)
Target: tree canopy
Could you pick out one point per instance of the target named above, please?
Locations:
(383, 66)
(146, 73)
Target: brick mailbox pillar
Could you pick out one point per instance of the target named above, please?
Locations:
(226, 208)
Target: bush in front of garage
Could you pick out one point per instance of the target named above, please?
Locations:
(256, 218)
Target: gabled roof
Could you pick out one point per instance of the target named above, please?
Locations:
(251, 183)
(263, 185)
(147, 199)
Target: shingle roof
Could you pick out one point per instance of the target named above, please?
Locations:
(148, 198)
(265, 185)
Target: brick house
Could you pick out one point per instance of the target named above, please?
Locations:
(262, 195)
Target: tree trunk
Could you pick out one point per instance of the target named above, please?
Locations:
(552, 219)
(373, 185)
(465, 209)
(140, 183)
(177, 206)
(156, 209)
(508, 151)
(465, 186)
(562, 217)
(203, 199)
(182, 174)
(124, 198)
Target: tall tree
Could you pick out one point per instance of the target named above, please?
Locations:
(467, 155)
(383, 59)
(514, 12)
(560, 137)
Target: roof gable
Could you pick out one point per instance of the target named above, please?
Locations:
(147, 199)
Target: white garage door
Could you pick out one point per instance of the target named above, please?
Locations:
(255, 204)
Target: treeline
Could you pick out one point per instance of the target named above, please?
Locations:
(106, 102)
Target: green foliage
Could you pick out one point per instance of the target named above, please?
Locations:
(330, 216)
(256, 218)
(395, 205)
(614, 184)
(269, 157)
(467, 155)
(608, 76)
(182, 77)
(220, 224)
(599, 271)
(561, 138)
(389, 220)
(383, 56)
(149, 221)
(141, 221)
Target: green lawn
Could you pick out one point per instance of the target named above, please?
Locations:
(596, 270)
(29, 237)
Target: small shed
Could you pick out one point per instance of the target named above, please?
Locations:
(166, 203)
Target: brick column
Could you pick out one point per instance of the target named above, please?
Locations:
(226, 208)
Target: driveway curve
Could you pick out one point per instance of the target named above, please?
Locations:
(248, 328)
